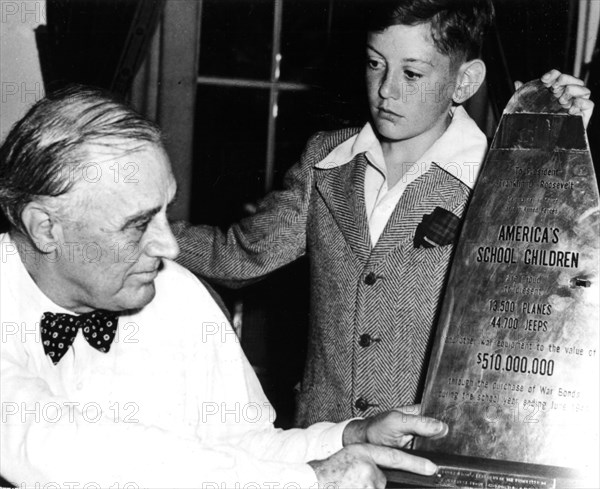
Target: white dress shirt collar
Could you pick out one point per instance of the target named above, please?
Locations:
(459, 151)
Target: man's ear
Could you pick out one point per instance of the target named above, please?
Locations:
(470, 77)
(44, 230)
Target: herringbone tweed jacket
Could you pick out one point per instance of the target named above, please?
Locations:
(372, 308)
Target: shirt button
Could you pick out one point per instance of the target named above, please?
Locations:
(371, 278)
(361, 404)
(365, 340)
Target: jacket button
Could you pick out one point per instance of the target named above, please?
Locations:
(361, 404)
(365, 340)
(371, 278)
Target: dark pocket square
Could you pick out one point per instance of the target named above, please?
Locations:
(436, 229)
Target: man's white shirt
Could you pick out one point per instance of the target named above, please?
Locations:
(174, 403)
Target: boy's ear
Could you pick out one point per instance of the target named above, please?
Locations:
(43, 228)
(470, 77)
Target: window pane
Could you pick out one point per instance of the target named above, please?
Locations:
(236, 38)
(304, 39)
(229, 153)
(300, 116)
(541, 29)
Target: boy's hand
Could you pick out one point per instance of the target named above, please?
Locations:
(571, 93)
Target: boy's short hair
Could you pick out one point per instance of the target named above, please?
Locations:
(458, 27)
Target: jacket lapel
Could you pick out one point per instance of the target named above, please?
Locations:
(434, 188)
(342, 189)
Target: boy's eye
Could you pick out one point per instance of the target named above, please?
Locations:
(411, 75)
(374, 64)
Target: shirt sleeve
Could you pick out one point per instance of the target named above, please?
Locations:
(272, 237)
(45, 439)
(316, 442)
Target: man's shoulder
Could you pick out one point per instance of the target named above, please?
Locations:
(181, 298)
(175, 278)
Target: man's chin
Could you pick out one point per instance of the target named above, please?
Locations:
(140, 298)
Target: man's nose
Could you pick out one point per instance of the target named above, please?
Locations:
(161, 242)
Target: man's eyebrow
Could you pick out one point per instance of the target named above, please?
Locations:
(149, 214)
(141, 217)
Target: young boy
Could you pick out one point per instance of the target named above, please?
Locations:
(377, 210)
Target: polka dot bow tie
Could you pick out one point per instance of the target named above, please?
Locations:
(59, 331)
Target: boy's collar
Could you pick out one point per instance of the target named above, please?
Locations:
(459, 151)
(364, 141)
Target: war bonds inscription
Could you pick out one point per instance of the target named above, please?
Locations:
(514, 368)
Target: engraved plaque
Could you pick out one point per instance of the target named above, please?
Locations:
(515, 361)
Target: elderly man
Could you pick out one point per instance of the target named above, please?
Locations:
(117, 367)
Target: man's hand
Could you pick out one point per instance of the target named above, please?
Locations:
(356, 466)
(571, 93)
(394, 428)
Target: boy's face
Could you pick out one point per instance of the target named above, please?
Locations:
(409, 83)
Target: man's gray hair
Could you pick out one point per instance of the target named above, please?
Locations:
(46, 148)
